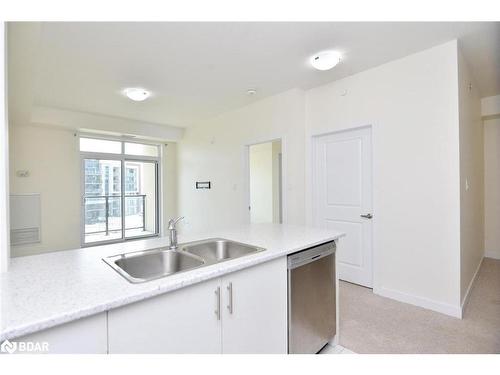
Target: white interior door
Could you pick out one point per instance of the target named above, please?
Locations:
(342, 198)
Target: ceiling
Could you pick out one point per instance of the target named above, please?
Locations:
(198, 70)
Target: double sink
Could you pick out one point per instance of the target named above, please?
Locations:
(142, 266)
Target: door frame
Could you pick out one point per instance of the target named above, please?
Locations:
(246, 168)
(310, 182)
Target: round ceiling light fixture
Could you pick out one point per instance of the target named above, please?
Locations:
(251, 92)
(325, 60)
(136, 94)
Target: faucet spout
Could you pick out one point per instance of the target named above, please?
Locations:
(173, 232)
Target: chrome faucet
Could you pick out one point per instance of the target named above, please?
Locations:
(173, 232)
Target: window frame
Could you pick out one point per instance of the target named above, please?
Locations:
(122, 158)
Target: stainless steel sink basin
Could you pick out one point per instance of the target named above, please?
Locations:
(218, 250)
(152, 264)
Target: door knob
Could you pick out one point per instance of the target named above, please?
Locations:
(367, 216)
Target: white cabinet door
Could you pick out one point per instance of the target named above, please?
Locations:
(83, 336)
(255, 309)
(183, 321)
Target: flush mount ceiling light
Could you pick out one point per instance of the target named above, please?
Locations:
(136, 94)
(251, 92)
(325, 60)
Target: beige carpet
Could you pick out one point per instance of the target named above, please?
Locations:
(374, 324)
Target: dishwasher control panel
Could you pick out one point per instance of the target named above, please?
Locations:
(305, 256)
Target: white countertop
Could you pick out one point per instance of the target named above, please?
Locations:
(42, 291)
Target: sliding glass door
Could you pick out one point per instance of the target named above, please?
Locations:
(120, 192)
(102, 200)
(140, 198)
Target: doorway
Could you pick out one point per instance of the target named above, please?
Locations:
(342, 198)
(265, 182)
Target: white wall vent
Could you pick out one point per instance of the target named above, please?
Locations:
(25, 219)
(24, 236)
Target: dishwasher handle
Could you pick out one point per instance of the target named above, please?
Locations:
(310, 255)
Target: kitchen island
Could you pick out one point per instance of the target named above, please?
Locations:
(65, 288)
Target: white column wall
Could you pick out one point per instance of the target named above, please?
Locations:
(4, 158)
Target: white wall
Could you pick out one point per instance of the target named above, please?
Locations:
(4, 159)
(490, 106)
(261, 182)
(214, 150)
(169, 186)
(85, 121)
(492, 187)
(471, 177)
(412, 105)
(52, 157)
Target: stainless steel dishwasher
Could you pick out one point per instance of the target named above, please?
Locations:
(311, 299)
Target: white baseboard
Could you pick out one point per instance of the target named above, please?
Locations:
(334, 341)
(492, 254)
(443, 308)
(467, 294)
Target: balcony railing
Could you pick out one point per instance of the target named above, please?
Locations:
(107, 210)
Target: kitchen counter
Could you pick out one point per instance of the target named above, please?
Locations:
(42, 291)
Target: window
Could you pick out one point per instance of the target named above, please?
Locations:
(120, 191)
(131, 179)
(141, 149)
(116, 180)
(100, 145)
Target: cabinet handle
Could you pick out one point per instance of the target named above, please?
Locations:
(230, 304)
(217, 308)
